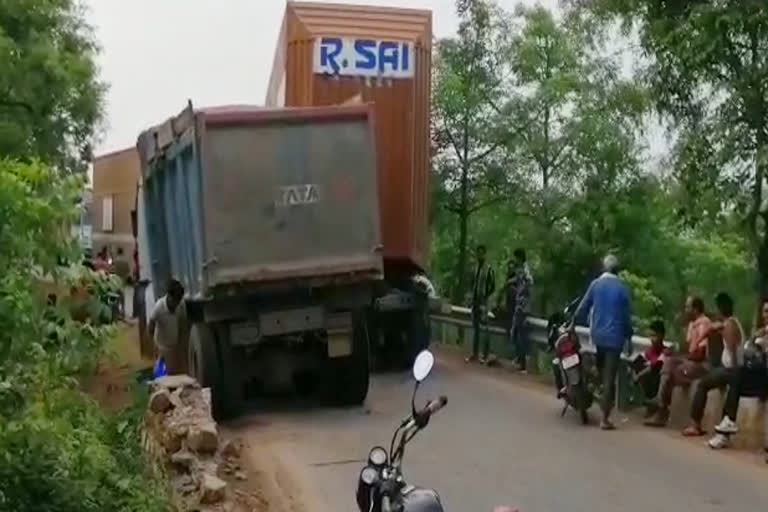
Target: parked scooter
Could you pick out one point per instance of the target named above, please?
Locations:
(568, 364)
(381, 486)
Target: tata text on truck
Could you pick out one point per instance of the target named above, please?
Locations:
(270, 219)
(333, 54)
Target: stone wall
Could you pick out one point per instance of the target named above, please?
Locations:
(182, 437)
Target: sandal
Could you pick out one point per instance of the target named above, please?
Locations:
(693, 431)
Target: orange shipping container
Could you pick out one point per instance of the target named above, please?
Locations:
(330, 54)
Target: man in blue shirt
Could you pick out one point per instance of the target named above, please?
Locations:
(608, 306)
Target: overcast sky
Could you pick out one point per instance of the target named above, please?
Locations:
(156, 54)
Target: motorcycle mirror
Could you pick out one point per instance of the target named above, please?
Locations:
(423, 365)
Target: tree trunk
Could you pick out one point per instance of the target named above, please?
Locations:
(461, 263)
(760, 232)
(762, 270)
(761, 281)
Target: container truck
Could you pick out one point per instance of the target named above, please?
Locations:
(270, 220)
(330, 54)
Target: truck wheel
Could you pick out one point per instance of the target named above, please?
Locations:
(419, 334)
(205, 365)
(412, 336)
(352, 373)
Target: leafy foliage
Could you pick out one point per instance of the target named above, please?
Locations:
(468, 126)
(50, 97)
(61, 454)
(574, 163)
(708, 69)
(59, 451)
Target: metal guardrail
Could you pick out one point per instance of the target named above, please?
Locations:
(536, 329)
(452, 325)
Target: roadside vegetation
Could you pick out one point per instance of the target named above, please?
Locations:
(632, 126)
(59, 451)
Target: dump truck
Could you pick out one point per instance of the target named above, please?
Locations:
(270, 220)
(330, 54)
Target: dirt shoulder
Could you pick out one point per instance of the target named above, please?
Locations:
(114, 382)
(258, 481)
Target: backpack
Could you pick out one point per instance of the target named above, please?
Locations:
(754, 356)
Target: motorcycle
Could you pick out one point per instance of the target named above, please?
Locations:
(568, 364)
(381, 486)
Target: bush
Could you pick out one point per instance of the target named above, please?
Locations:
(58, 450)
(63, 454)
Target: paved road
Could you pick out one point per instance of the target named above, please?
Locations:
(500, 440)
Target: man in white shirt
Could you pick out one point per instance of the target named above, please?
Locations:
(167, 325)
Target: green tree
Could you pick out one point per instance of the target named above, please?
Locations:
(577, 152)
(708, 66)
(467, 128)
(50, 96)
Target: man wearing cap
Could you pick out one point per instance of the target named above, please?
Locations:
(608, 306)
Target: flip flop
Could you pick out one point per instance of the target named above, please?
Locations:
(693, 432)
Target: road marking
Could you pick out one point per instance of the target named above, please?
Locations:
(337, 462)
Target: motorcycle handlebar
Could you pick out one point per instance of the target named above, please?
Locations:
(422, 417)
(435, 405)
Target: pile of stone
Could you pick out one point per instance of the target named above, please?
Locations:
(180, 433)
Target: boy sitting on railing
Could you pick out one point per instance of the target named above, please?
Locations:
(646, 368)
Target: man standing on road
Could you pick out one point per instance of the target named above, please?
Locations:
(483, 284)
(166, 327)
(521, 285)
(608, 306)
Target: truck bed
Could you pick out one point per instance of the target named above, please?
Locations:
(241, 195)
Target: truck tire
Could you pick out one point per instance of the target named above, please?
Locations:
(352, 374)
(419, 335)
(208, 364)
(412, 335)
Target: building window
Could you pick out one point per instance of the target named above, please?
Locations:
(106, 213)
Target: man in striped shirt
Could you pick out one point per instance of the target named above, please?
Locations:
(483, 284)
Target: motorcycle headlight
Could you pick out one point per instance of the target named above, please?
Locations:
(377, 457)
(369, 475)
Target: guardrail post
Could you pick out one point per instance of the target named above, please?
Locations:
(534, 358)
(628, 395)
